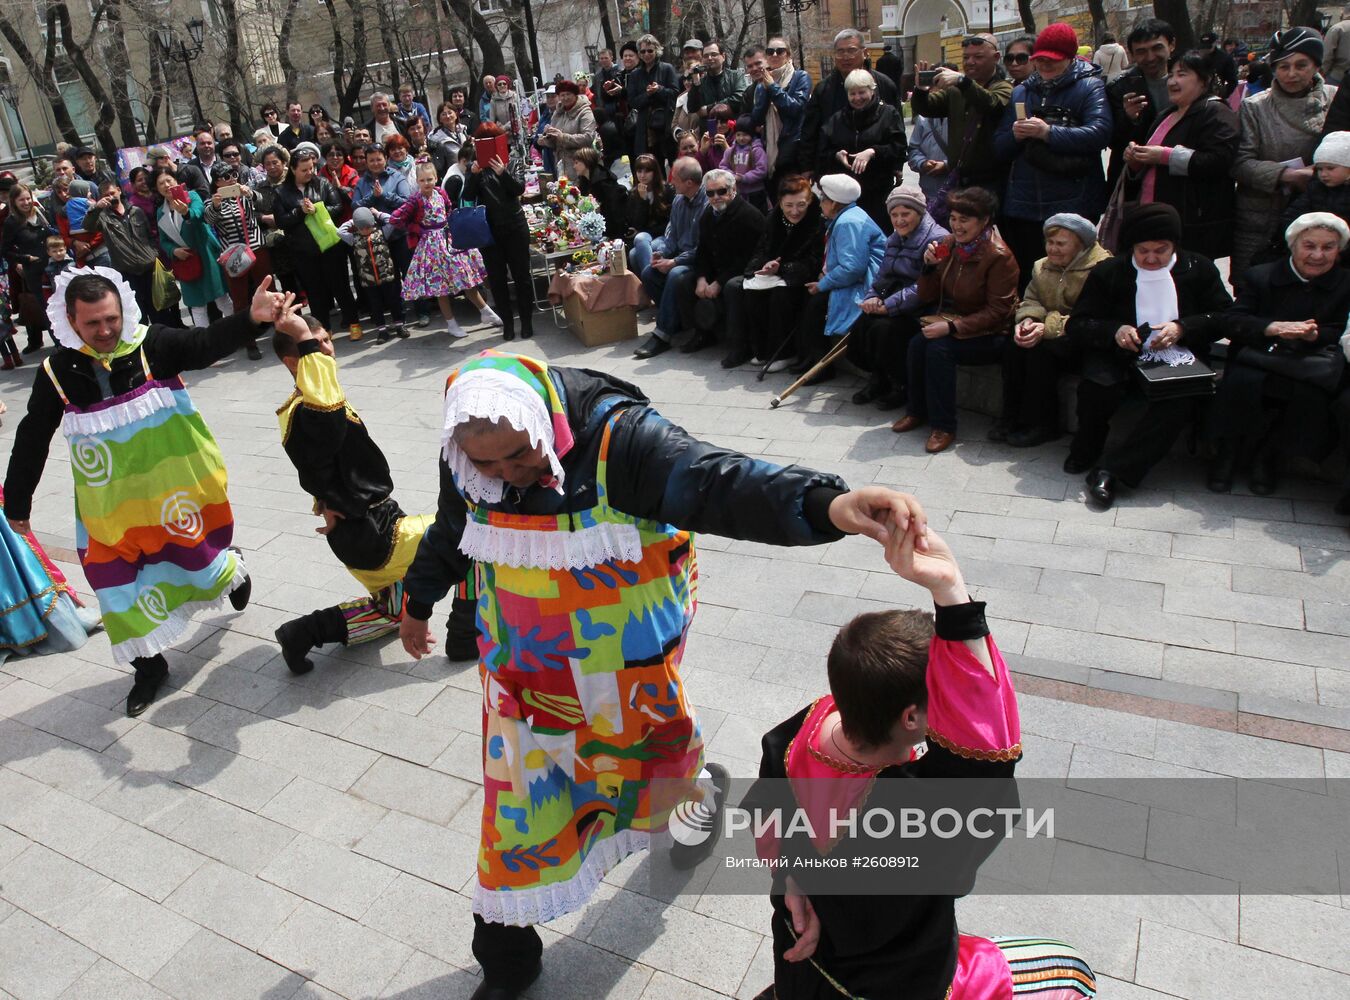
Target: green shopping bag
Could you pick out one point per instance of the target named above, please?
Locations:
(320, 226)
(164, 293)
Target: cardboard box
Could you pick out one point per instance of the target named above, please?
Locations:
(596, 328)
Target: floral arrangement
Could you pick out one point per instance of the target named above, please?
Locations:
(584, 257)
(591, 226)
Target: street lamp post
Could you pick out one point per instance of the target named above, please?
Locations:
(182, 54)
(796, 7)
(9, 94)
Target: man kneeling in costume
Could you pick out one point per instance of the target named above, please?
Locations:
(348, 476)
(573, 502)
(153, 520)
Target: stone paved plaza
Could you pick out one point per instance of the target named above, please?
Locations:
(259, 835)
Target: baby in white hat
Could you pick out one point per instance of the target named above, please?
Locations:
(1329, 191)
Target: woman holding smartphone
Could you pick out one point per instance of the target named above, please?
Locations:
(192, 248)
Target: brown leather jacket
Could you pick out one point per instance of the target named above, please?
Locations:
(978, 295)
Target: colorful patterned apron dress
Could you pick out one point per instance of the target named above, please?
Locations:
(583, 705)
(153, 524)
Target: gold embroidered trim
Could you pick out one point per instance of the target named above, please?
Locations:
(1012, 753)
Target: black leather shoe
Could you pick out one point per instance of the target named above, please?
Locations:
(697, 342)
(1076, 466)
(253, 353)
(492, 991)
(296, 641)
(1101, 488)
(654, 346)
(1265, 472)
(149, 677)
(685, 856)
(893, 400)
(736, 358)
(1221, 470)
(867, 393)
(1032, 436)
(526, 329)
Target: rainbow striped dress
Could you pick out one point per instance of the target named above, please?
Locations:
(153, 521)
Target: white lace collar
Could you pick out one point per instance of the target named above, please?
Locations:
(56, 306)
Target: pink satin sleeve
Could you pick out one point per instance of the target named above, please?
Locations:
(982, 972)
(970, 713)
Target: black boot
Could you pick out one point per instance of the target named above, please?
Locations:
(299, 636)
(1221, 469)
(1266, 470)
(461, 631)
(239, 595)
(526, 327)
(151, 672)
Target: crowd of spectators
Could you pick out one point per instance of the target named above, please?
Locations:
(1066, 214)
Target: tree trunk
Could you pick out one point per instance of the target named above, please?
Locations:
(90, 77)
(289, 73)
(232, 75)
(520, 45)
(773, 18)
(606, 29)
(119, 72)
(42, 73)
(1097, 10)
(1303, 14)
(1177, 13)
(348, 88)
(156, 100)
(390, 46)
(1028, 18)
(441, 69)
(494, 61)
(658, 18)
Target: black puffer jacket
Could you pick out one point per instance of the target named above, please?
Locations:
(1107, 303)
(876, 126)
(656, 470)
(798, 247)
(170, 351)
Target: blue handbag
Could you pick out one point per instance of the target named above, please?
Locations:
(469, 229)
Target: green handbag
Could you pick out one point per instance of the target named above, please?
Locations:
(320, 226)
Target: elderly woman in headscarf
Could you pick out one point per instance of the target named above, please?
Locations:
(1278, 125)
(1039, 352)
(571, 129)
(1285, 326)
(854, 247)
(890, 311)
(572, 501)
(1154, 302)
(970, 284)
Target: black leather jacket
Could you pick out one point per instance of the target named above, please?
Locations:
(656, 470)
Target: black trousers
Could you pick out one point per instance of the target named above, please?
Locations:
(1253, 408)
(769, 317)
(1026, 240)
(881, 345)
(509, 257)
(1031, 381)
(324, 279)
(388, 296)
(507, 954)
(1145, 446)
(811, 340)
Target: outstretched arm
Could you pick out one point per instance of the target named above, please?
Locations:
(172, 350)
(934, 568)
(659, 471)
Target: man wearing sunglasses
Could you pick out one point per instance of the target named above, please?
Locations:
(830, 96)
(973, 103)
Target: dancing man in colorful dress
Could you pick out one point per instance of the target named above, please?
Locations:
(153, 520)
(574, 503)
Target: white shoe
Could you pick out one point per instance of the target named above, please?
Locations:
(486, 315)
(456, 331)
(782, 364)
(756, 362)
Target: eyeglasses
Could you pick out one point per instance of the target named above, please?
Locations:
(778, 52)
(647, 52)
(968, 42)
(1017, 57)
(717, 192)
(231, 154)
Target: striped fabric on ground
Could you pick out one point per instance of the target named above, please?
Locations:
(1047, 969)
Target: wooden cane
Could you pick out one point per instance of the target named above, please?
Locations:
(829, 359)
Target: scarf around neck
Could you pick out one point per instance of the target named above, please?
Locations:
(773, 121)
